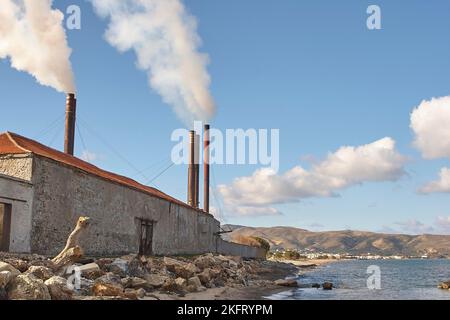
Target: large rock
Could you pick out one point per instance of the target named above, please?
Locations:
(136, 268)
(180, 268)
(57, 286)
(194, 284)
(170, 285)
(155, 280)
(108, 285)
(206, 276)
(28, 287)
(7, 267)
(444, 285)
(19, 264)
(134, 283)
(134, 294)
(119, 267)
(205, 261)
(181, 282)
(327, 286)
(5, 278)
(40, 272)
(286, 283)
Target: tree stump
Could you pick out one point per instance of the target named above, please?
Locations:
(72, 252)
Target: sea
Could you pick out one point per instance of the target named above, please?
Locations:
(374, 280)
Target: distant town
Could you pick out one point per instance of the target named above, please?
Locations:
(311, 254)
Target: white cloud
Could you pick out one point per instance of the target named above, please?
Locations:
(440, 185)
(254, 211)
(415, 227)
(348, 166)
(88, 156)
(443, 224)
(430, 122)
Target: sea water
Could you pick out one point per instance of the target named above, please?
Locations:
(398, 279)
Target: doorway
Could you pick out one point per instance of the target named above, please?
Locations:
(5, 226)
(145, 237)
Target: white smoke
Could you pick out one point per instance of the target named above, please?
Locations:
(164, 37)
(32, 36)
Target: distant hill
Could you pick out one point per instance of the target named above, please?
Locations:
(353, 242)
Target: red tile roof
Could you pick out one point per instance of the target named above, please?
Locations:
(11, 143)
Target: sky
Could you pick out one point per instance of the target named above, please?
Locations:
(311, 69)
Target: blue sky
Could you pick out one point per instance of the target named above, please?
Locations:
(309, 68)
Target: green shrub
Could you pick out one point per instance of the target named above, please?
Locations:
(263, 242)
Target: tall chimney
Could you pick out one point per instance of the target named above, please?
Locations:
(206, 156)
(71, 110)
(191, 172)
(197, 172)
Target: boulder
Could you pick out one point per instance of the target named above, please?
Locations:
(181, 282)
(136, 268)
(286, 283)
(7, 267)
(205, 261)
(444, 285)
(108, 285)
(170, 285)
(206, 276)
(134, 294)
(5, 278)
(118, 267)
(194, 284)
(134, 283)
(57, 287)
(180, 268)
(28, 287)
(104, 262)
(40, 272)
(327, 286)
(91, 271)
(19, 264)
(155, 280)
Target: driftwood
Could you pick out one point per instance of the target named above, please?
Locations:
(72, 252)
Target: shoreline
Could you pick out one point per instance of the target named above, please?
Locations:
(259, 289)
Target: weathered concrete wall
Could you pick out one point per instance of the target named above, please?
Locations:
(19, 194)
(235, 249)
(19, 166)
(62, 194)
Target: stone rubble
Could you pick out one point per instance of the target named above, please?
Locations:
(131, 277)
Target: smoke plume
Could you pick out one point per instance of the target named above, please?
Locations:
(32, 36)
(164, 38)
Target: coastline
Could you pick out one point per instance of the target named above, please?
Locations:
(258, 289)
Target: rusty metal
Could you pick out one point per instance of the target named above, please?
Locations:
(206, 158)
(197, 172)
(69, 137)
(191, 173)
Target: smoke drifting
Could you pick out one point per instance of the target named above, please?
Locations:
(32, 36)
(164, 37)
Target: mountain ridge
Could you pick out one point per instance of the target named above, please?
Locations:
(348, 241)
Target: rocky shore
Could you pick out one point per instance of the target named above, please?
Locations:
(131, 277)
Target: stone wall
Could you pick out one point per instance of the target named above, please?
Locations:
(19, 194)
(18, 166)
(63, 193)
(235, 249)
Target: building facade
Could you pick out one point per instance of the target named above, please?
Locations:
(43, 192)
